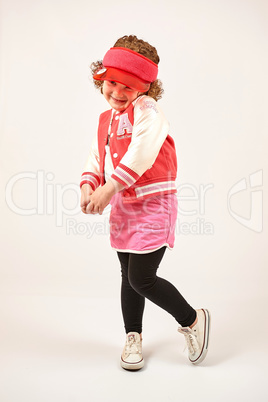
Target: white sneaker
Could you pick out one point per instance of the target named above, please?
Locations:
(197, 337)
(131, 358)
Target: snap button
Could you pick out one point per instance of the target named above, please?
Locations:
(103, 70)
(115, 155)
(111, 135)
(116, 117)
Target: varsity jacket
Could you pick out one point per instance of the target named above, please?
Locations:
(143, 153)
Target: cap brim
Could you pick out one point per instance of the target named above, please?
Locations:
(123, 77)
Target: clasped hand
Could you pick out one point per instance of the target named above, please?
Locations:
(94, 202)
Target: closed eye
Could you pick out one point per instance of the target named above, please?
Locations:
(114, 83)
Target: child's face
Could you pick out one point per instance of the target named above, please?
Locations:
(118, 95)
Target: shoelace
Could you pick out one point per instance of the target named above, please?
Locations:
(132, 347)
(191, 342)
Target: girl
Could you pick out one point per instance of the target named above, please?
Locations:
(132, 165)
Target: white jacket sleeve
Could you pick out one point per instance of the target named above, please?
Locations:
(91, 172)
(149, 133)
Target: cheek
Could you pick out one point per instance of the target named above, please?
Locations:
(133, 96)
(106, 92)
(105, 88)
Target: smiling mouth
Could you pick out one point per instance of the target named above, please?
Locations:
(118, 100)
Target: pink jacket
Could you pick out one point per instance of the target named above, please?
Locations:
(143, 154)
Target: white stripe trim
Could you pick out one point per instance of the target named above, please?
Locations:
(122, 173)
(87, 176)
(143, 251)
(92, 179)
(155, 187)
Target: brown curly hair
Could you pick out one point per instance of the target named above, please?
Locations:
(139, 46)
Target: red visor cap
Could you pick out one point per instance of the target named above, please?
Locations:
(123, 77)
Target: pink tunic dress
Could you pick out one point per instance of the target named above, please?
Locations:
(143, 226)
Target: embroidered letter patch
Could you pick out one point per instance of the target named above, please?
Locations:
(124, 124)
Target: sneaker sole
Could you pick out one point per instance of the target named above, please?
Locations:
(132, 366)
(206, 338)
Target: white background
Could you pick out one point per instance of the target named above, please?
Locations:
(61, 328)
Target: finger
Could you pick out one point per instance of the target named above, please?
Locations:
(90, 208)
(96, 210)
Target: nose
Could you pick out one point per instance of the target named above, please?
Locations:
(118, 91)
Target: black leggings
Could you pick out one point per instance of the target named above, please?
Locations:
(139, 280)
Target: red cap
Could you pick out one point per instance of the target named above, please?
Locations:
(128, 68)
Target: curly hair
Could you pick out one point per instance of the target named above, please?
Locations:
(141, 47)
